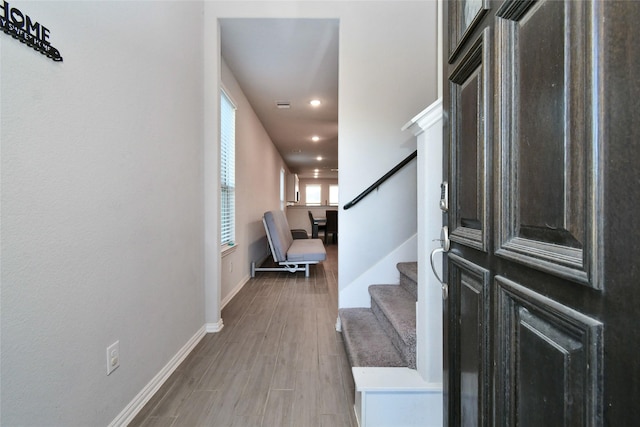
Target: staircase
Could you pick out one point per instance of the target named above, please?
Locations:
(381, 344)
(385, 334)
(381, 341)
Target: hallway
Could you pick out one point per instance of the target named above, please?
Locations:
(278, 361)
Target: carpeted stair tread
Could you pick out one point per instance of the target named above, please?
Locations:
(409, 277)
(395, 309)
(399, 308)
(409, 269)
(365, 340)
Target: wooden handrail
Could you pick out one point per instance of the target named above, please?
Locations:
(381, 180)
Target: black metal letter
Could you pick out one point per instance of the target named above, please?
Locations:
(5, 9)
(17, 23)
(31, 26)
(45, 34)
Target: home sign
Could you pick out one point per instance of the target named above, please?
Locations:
(21, 26)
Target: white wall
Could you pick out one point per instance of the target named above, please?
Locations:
(387, 73)
(109, 194)
(102, 195)
(258, 166)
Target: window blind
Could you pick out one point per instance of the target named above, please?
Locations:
(333, 195)
(313, 195)
(227, 169)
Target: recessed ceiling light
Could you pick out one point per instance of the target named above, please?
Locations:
(315, 102)
(319, 158)
(316, 170)
(315, 138)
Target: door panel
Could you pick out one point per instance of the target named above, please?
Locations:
(470, 86)
(549, 158)
(542, 157)
(550, 359)
(469, 287)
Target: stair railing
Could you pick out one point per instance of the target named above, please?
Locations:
(377, 184)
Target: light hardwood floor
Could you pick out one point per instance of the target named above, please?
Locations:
(277, 362)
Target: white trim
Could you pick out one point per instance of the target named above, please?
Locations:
(425, 119)
(429, 305)
(227, 249)
(391, 379)
(440, 48)
(396, 396)
(227, 93)
(138, 402)
(214, 327)
(234, 291)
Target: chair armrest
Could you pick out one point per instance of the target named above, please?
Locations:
(299, 233)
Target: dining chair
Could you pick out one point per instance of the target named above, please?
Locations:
(316, 226)
(331, 226)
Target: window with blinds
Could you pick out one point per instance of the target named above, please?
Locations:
(227, 169)
(313, 195)
(333, 195)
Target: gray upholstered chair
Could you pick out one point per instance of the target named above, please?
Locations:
(290, 254)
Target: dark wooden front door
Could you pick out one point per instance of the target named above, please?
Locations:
(542, 156)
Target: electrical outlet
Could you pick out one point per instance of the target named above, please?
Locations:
(113, 357)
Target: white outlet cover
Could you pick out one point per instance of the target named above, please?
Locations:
(113, 357)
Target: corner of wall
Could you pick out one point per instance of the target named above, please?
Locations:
(141, 399)
(356, 294)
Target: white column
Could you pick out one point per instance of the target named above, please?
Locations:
(427, 126)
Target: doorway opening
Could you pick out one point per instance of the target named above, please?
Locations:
(283, 75)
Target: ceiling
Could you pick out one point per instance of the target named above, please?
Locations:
(290, 61)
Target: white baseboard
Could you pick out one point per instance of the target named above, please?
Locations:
(138, 402)
(214, 327)
(234, 291)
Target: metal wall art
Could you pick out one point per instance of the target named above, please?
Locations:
(20, 26)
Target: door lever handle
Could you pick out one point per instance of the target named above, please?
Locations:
(433, 266)
(444, 286)
(446, 243)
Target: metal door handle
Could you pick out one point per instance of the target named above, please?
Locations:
(445, 242)
(433, 266)
(444, 287)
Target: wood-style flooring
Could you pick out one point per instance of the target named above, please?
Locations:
(277, 362)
